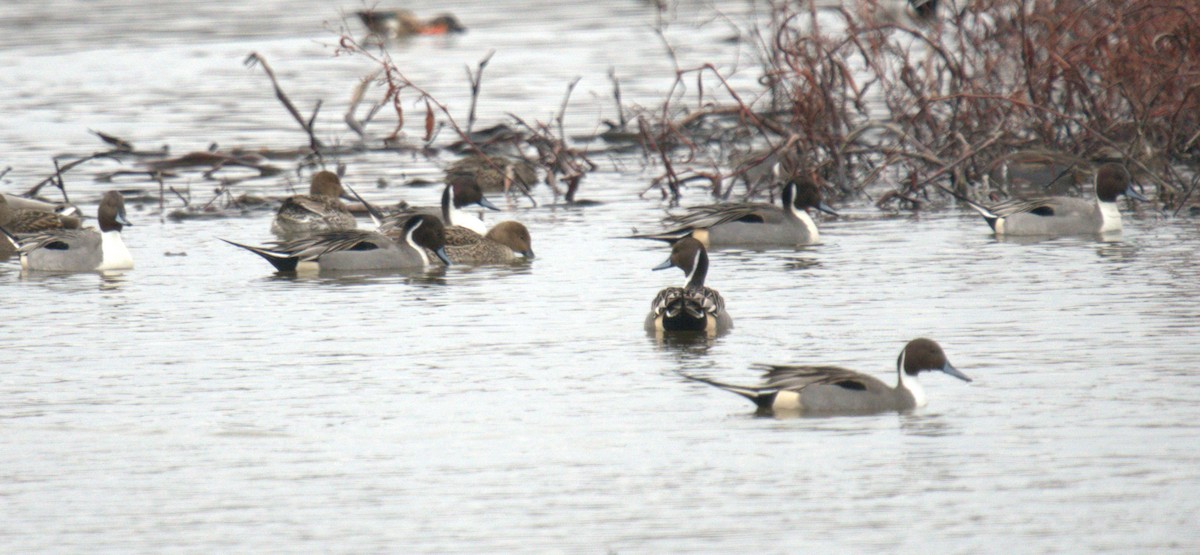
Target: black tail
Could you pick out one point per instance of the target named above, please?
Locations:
(667, 236)
(16, 243)
(763, 397)
(281, 262)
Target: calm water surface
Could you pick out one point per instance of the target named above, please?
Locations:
(199, 403)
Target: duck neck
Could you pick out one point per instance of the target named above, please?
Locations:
(412, 242)
(909, 383)
(448, 205)
(695, 278)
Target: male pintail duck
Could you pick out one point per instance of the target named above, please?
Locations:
(836, 390)
(492, 173)
(78, 250)
(320, 210)
(692, 307)
(1064, 215)
(501, 245)
(357, 250)
(455, 197)
(394, 24)
(753, 224)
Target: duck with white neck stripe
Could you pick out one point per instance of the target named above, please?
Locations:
(693, 307)
(826, 390)
(79, 250)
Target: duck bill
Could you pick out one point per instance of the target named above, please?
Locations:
(528, 254)
(949, 369)
(487, 204)
(826, 209)
(121, 218)
(441, 253)
(1134, 194)
(666, 264)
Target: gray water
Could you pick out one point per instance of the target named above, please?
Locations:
(200, 403)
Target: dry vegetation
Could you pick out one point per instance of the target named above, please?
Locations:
(885, 107)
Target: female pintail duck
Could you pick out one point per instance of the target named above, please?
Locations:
(393, 24)
(355, 250)
(692, 307)
(23, 221)
(79, 250)
(753, 224)
(835, 390)
(492, 173)
(1064, 215)
(320, 210)
(501, 245)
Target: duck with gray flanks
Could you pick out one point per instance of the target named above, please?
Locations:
(493, 173)
(500, 245)
(753, 224)
(359, 250)
(318, 211)
(828, 390)
(693, 307)
(1055, 216)
(78, 250)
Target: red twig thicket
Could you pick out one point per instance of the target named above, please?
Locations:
(867, 97)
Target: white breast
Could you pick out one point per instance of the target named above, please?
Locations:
(115, 255)
(1110, 217)
(467, 220)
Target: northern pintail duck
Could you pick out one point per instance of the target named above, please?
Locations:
(501, 245)
(492, 173)
(753, 224)
(357, 250)
(22, 221)
(79, 250)
(320, 210)
(836, 390)
(692, 307)
(393, 24)
(455, 197)
(1064, 215)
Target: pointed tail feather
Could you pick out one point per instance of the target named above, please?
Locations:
(281, 262)
(668, 236)
(16, 243)
(762, 396)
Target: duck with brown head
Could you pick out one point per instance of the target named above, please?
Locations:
(693, 307)
(501, 245)
(79, 250)
(359, 250)
(1057, 216)
(824, 390)
(320, 210)
(753, 224)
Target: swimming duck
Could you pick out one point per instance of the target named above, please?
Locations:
(20, 221)
(455, 197)
(319, 210)
(393, 24)
(1064, 215)
(78, 250)
(354, 249)
(753, 224)
(692, 307)
(836, 390)
(501, 245)
(492, 173)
